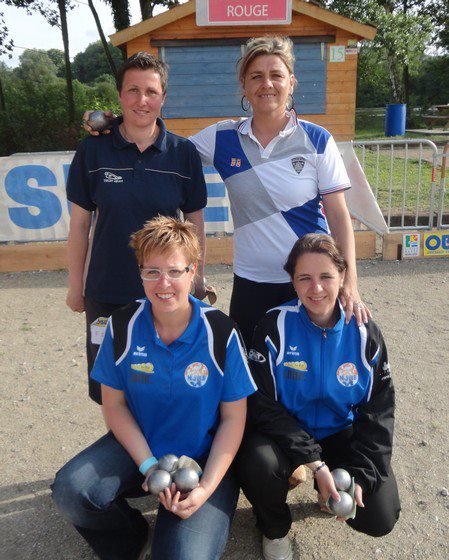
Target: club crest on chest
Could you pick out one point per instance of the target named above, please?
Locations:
(298, 164)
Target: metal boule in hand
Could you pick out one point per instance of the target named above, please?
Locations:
(158, 481)
(168, 462)
(98, 121)
(344, 507)
(186, 479)
(342, 479)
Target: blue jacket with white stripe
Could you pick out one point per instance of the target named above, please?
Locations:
(314, 382)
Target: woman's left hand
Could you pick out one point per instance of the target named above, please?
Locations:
(352, 303)
(182, 506)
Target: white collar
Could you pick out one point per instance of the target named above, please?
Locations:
(245, 127)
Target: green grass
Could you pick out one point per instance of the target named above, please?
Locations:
(371, 126)
(417, 192)
(418, 181)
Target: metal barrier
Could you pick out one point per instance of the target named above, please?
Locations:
(403, 176)
(443, 202)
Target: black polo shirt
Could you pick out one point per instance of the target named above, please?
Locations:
(125, 188)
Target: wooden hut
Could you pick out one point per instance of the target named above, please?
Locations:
(203, 87)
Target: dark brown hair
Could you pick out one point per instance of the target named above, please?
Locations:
(143, 61)
(315, 243)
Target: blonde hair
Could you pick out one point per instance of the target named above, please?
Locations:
(166, 235)
(267, 45)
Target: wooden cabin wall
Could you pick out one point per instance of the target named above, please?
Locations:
(341, 76)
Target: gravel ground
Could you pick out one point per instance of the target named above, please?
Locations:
(46, 418)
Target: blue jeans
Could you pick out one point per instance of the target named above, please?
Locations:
(91, 489)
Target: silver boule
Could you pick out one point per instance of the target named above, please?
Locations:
(342, 479)
(344, 507)
(168, 462)
(158, 481)
(98, 121)
(186, 479)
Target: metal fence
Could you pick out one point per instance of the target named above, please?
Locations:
(403, 175)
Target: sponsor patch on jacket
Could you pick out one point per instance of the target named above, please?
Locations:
(196, 375)
(145, 367)
(298, 366)
(292, 351)
(140, 351)
(256, 356)
(347, 374)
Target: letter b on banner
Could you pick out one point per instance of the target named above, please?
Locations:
(42, 207)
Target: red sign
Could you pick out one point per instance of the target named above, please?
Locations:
(243, 12)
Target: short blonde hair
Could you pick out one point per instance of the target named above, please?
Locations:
(267, 45)
(166, 235)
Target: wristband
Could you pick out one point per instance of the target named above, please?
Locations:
(148, 463)
(319, 467)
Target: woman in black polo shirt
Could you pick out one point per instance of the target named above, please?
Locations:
(115, 184)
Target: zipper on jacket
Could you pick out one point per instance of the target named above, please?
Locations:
(323, 341)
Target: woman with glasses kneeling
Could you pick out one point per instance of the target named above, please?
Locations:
(325, 399)
(174, 381)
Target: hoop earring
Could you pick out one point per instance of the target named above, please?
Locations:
(242, 104)
(290, 103)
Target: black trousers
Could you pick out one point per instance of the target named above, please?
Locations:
(95, 310)
(263, 471)
(251, 300)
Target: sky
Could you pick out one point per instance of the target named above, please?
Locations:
(33, 32)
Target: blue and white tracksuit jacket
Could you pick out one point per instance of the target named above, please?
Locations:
(314, 382)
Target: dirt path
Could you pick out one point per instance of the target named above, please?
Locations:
(46, 418)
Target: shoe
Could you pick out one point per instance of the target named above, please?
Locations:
(277, 549)
(146, 550)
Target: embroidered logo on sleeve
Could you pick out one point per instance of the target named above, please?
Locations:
(196, 375)
(256, 356)
(386, 371)
(347, 374)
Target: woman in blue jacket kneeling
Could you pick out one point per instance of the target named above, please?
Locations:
(325, 399)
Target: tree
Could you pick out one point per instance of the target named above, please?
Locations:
(147, 6)
(6, 46)
(120, 13)
(57, 57)
(92, 62)
(402, 35)
(56, 16)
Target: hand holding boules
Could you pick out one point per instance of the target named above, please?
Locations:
(96, 122)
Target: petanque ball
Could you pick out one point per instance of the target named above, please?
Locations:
(344, 507)
(186, 479)
(158, 481)
(168, 462)
(342, 479)
(98, 121)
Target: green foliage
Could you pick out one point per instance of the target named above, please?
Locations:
(403, 33)
(373, 83)
(57, 57)
(36, 115)
(431, 85)
(92, 62)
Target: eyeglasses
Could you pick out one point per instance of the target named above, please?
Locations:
(155, 274)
